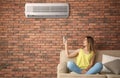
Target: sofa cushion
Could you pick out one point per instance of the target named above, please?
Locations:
(63, 67)
(66, 75)
(112, 76)
(114, 66)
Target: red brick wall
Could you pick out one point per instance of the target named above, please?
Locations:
(31, 47)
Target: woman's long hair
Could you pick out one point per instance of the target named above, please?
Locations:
(90, 45)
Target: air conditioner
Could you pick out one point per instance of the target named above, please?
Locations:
(46, 10)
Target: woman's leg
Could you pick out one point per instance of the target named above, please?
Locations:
(73, 67)
(95, 69)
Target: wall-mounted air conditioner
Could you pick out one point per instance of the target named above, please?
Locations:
(46, 10)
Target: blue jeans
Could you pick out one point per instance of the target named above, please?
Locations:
(93, 70)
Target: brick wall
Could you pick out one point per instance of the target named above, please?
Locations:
(29, 48)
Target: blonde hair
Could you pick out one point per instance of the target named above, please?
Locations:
(90, 45)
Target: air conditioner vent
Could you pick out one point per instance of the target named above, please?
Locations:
(40, 9)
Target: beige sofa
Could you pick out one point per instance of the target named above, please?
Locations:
(63, 72)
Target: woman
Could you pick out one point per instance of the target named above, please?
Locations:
(84, 58)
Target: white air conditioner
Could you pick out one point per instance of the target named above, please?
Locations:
(46, 10)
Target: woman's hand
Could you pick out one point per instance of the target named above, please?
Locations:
(65, 40)
(84, 71)
(69, 55)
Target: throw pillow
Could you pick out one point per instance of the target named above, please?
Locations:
(114, 66)
(105, 59)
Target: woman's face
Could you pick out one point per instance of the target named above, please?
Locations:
(85, 42)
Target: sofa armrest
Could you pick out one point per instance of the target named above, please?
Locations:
(62, 68)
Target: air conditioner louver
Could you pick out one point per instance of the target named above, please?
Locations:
(46, 10)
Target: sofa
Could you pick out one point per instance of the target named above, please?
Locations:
(64, 72)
